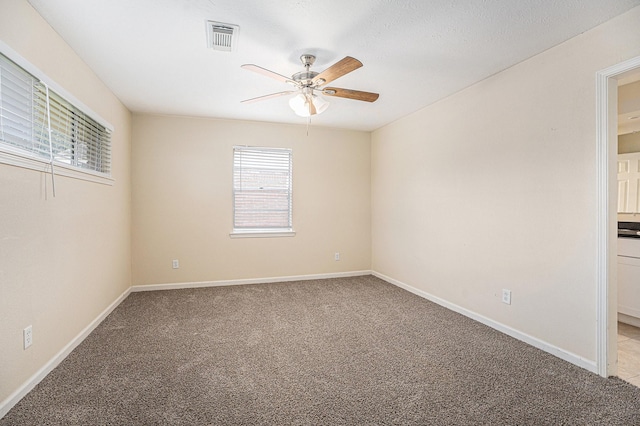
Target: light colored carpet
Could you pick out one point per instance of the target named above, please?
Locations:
(325, 352)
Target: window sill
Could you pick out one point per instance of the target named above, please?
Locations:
(18, 159)
(261, 234)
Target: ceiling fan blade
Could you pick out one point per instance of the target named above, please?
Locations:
(262, 98)
(350, 94)
(337, 70)
(267, 72)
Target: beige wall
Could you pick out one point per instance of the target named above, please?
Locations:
(495, 187)
(63, 260)
(182, 201)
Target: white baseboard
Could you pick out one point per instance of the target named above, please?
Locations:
(533, 341)
(176, 286)
(26, 387)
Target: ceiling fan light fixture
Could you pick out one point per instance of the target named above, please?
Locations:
(299, 104)
(320, 104)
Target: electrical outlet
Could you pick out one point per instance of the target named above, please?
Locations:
(336, 257)
(175, 263)
(506, 296)
(27, 335)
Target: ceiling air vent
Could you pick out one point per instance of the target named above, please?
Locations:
(222, 36)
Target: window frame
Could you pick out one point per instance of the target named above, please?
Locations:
(15, 156)
(266, 231)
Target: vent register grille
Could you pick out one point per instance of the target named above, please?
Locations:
(221, 36)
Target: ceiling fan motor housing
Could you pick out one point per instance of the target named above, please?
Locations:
(305, 78)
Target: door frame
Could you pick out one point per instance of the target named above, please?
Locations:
(606, 156)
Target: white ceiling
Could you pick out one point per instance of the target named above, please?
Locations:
(153, 53)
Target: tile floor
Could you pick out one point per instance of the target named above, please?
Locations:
(629, 353)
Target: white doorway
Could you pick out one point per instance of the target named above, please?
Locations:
(628, 249)
(607, 151)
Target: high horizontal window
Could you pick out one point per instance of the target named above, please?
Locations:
(36, 121)
(262, 190)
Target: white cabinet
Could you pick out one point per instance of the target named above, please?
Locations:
(629, 247)
(629, 276)
(629, 183)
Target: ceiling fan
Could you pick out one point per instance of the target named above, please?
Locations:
(307, 102)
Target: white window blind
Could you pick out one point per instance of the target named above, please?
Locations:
(262, 189)
(25, 110)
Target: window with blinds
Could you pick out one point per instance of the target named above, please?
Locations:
(261, 189)
(36, 121)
